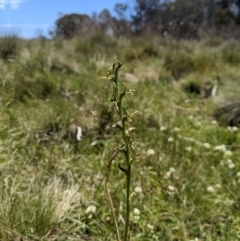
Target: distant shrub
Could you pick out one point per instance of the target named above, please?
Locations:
(213, 42)
(231, 53)
(181, 63)
(94, 43)
(9, 46)
(140, 50)
(129, 54)
(40, 88)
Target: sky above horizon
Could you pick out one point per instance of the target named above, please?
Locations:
(29, 18)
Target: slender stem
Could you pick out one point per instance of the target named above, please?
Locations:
(128, 179)
(109, 195)
(113, 212)
(127, 157)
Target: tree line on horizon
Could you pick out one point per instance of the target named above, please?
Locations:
(180, 19)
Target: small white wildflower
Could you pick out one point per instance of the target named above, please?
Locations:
(199, 123)
(136, 218)
(229, 202)
(218, 186)
(229, 161)
(217, 201)
(233, 128)
(168, 174)
(207, 145)
(138, 190)
(171, 188)
(231, 165)
(91, 209)
(238, 174)
(150, 227)
(150, 152)
(227, 153)
(176, 129)
(220, 148)
(172, 169)
(190, 117)
(188, 148)
(210, 189)
(155, 237)
(163, 128)
(170, 139)
(136, 212)
(214, 122)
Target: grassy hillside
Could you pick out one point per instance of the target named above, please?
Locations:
(185, 186)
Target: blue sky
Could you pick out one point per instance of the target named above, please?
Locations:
(27, 17)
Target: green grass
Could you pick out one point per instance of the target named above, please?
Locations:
(9, 46)
(185, 186)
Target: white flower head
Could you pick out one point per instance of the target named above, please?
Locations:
(231, 165)
(171, 188)
(233, 128)
(229, 202)
(91, 210)
(227, 153)
(176, 129)
(210, 189)
(206, 145)
(218, 186)
(172, 169)
(220, 148)
(138, 190)
(136, 212)
(199, 123)
(214, 122)
(168, 174)
(136, 218)
(229, 161)
(163, 128)
(188, 148)
(150, 227)
(170, 139)
(150, 152)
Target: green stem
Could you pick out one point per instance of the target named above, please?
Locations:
(128, 173)
(128, 179)
(126, 140)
